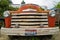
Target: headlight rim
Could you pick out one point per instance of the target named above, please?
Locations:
(6, 13)
(52, 13)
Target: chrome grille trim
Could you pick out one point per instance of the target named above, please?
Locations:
(29, 20)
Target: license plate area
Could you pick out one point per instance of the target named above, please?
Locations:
(30, 32)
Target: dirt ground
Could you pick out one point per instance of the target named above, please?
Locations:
(3, 36)
(57, 36)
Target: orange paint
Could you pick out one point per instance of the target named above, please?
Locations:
(7, 22)
(30, 6)
(51, 21)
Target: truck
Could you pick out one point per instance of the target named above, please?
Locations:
(30, 20)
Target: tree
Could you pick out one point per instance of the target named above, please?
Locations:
(4, 5)
(12, 8)
(58, 5)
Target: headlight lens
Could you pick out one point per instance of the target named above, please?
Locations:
(6, 13)
(52, 13)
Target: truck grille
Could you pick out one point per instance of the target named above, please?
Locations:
(29, 20)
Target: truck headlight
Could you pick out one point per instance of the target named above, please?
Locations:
(52, 13)
(6, 14)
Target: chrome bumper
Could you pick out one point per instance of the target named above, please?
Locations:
(22, 31)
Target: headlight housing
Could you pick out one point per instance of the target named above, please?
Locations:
(52, 13)
(6, 14)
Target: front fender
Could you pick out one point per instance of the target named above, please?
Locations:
(8, 22)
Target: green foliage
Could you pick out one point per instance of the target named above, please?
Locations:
(4, 5)
(58, 5)
(12, 8)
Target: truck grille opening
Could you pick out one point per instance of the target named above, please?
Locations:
(29, 20)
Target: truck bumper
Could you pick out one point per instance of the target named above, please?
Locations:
(23, 32)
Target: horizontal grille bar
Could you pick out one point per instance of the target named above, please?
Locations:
(29, 23)
(29, 20)
(29, 14)
(29, 17)
(30, 26)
